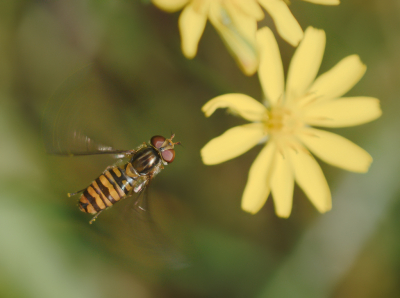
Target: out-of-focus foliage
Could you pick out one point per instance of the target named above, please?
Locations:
(47, 247)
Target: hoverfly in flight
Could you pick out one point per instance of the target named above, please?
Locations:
(118, 182)
(65, 120)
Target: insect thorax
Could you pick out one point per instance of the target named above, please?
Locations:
(145, 160)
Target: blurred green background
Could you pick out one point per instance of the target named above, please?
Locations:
(47, 247)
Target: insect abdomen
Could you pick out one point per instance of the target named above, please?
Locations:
(112, 186)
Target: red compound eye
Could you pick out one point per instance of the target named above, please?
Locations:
(157, 141)
(168, 155)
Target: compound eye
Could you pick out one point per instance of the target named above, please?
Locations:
(157, 141)
(168, 155)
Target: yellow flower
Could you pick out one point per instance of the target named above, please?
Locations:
(286, 124)
(236, 22)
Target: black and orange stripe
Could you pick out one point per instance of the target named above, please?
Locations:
(112, 186)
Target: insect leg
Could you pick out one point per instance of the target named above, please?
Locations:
(94, 218)
(70, 194)
(141, 202)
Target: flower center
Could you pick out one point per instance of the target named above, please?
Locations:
(282, 121)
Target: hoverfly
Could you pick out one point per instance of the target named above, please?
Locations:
(118, 182)
(64, 117)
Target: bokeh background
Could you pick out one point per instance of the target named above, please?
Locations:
(203, 244)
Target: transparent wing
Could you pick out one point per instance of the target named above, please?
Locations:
(140, 236)
(78, 113)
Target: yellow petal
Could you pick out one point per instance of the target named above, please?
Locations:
(240, 104)
(282, 184)
(251, 8)
(270, 71)
(170, 5)
(258, 184)
(238, 31)
(232, 143)
(340, 79)
(336, 150)
(305, 63)
(342, 112)
(324, 2)
(310, 178)
(191, 26)
(287, 26)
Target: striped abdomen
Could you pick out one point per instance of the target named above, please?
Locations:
(113, 185)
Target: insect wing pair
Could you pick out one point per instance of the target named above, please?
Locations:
(77, 121)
